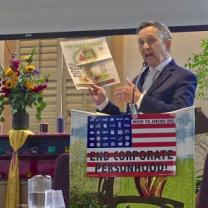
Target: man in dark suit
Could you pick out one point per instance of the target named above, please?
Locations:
(162, 86)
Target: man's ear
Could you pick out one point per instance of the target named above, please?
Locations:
(168, 44)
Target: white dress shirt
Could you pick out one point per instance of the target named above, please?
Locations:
(151, 76)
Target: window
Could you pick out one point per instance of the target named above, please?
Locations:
(61, 94)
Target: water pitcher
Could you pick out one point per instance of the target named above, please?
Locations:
(36, 190)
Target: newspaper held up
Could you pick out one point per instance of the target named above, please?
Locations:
(89, 61)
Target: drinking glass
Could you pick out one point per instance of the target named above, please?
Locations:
(59, 199)
(54, 199)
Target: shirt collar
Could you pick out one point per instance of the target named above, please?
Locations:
(162, 65)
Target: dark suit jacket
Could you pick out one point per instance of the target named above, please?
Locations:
(173, 89)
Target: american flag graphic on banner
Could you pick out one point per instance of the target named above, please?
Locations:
(143, 145)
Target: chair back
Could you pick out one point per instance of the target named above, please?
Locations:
(61, 176)
(202, 196)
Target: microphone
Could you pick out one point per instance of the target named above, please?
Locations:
(144, 64)
(132, 107)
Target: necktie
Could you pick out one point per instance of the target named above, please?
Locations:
(149, 79)
(140, 79)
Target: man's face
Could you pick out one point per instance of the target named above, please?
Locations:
(153, 48)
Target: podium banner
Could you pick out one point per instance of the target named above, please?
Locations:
(120, 146)
(91, 182)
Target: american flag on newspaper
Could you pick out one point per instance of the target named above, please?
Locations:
(143, 145)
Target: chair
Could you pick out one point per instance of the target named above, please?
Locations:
(202, 196)
(61, 176)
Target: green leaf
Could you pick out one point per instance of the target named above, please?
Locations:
(198, 63)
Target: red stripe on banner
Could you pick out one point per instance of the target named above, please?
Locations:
(143, 126)
(168, 163)
(127, 153)
(152, 135)
(131, 174)
(154, 116)
(154, 144)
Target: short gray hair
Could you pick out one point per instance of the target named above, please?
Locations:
(163, 29)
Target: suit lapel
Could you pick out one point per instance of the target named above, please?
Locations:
(141, 78)
(165, 74)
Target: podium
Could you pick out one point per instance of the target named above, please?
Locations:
(114, 192)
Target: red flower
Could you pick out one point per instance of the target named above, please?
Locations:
(14, 63)
(39, 88)
(5, 91)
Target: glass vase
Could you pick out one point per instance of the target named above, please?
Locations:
(20, 120)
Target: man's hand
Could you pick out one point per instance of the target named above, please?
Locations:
(128, 93)
(98, 94)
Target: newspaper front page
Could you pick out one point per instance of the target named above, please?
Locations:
(89, 61)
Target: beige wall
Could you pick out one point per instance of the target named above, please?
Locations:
(183, 45)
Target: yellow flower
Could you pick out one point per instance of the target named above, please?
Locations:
(9, 84)
(29, 68)
(29, 85)
(8, 72)
(26, 57)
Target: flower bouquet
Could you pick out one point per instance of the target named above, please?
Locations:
(21, 86)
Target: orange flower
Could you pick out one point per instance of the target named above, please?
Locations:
(15, 78)
(29, 85)
(29, 68)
